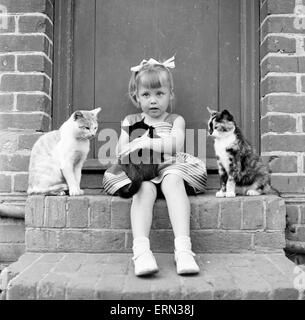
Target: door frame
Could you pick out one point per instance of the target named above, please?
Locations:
(249, 59)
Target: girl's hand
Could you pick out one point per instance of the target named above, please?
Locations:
(138, 143)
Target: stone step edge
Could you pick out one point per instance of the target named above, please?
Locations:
(222, 276)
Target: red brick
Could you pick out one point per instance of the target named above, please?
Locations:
(5, 183)
(7, 63)
(29, 6)
(279, 64)
(14, 162)
(52, 287)
(26, 141)
(77, 215)
(55, 212)
(11, 43)
(38, 63)
(269, 240)
(35, 24)
(21, 182)
(231, 215)
(204, 214)
(34, 211)
(287, 164)
(277, 7)
(275, 214)
(39, 122)
(290, 184)
(278, 84)
(99, 212)
(279, 25)
(292, 213)
(6, 102)
(107, 241)
(293, 143)
(282, 103)
(10, 27)
(25, 82)
(301, 64)
(278, 123)
(33, 102)
(278, 44)
(120, 213)
(38, 240)
(8, 141)
(220, 241)
(160, 216)
(252, 214)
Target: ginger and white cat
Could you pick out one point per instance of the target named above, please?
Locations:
(58, 156)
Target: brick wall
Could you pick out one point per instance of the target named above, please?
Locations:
(26, 46)
(283, 107)
(283, 93)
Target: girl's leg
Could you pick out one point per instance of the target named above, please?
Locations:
(179, 210)
(141, 219)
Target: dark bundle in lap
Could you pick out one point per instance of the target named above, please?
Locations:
(140, 165)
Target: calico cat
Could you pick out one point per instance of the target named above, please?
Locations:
(57, 157)
(147, 168)
(239, 168)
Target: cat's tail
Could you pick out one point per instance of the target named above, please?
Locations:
(271, 190)
(130, 189)
(268, 188)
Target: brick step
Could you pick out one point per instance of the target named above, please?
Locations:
(111, 276)
(100, 223)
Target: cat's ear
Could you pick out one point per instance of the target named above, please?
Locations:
(77, 115)
(226, 114)
(212, 112)
(96, 111)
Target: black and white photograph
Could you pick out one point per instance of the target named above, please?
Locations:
(152, 153)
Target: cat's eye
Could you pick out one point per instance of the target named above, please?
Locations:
(84, 127)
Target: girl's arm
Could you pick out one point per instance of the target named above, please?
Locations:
(174, 142)
(169, 145)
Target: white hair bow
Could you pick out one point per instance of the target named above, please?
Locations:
(169, 63)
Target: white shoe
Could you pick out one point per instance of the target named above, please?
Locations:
(145, 264)
(185, 262)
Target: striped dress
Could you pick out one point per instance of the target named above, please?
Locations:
(188, 167)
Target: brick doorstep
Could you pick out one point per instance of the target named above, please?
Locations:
(111, 276)
(100, 223)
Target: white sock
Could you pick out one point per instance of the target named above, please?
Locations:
(140, 245)
(183, 243)
(184, 256)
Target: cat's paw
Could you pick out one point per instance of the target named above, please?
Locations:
(75, 192)
(220, 194)
(230, 194)
(253, 193)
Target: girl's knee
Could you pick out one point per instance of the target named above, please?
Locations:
(147, 189)
(171, 181)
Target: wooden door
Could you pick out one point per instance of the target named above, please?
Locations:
(215, 43)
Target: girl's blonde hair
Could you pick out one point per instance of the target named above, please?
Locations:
(151, 76)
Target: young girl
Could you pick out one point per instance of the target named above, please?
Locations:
(151, 91)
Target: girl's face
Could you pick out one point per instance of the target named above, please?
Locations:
(154, 102)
